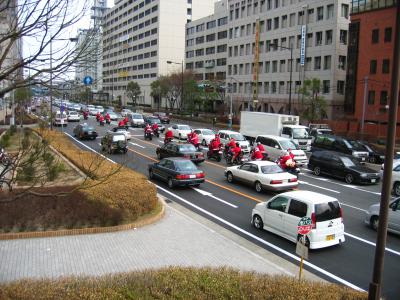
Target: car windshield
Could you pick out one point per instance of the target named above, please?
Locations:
(327, 211)
(357, 146)
(287, 144)
(324, 131)
(121, 130)
(187, 148)
(208, 132)
(99, 107)
(73, 113)
(300, 133)
(118, 137)
(271, 169)
(348, 162)
(238, 137)
(183, 127)
(185, 165)
(137, 117)
(154, 120)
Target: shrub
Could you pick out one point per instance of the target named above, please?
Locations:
(5, 140)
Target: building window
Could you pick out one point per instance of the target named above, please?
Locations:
(318, 38)
(343, 37)
(371, 97)
(269, 24)
(273, 87)
(300, 18)
(317, 63)
(328, 37)
(327, 62)
(320, 13)
(211, 24)
(386, 66)
(210, 37)
(344, 13)
(284, 21)
(342, 62)
(384, 98)
(326, 87)
(222, 35)
(375, 36)
(221, 48)
(274, 66)
(292, 19)
(329, 11)
(340, 87)
(388, 35)
(372, 66)
(276, 23)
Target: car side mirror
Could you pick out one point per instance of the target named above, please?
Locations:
(276, 147)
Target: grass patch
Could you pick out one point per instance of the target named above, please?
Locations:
(178, 283)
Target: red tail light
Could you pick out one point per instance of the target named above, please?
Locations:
(276, 181)
(200, 175)
(181, 176)
(341, 214)
(293, 180)
(313, 221)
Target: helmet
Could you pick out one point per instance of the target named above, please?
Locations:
(237, 144)
(258, 143)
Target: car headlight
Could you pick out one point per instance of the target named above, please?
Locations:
(364, 175)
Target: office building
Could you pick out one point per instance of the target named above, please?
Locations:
(139, 37)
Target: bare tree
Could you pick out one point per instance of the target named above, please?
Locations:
(35, 25)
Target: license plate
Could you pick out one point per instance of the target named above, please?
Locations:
(192, 176)
(373, 180)
(330, 237)
(362, 158)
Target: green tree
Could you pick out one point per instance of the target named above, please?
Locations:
(133, 91)
(314, 105)
(159, 90)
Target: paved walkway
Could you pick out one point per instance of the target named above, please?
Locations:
(177, 240)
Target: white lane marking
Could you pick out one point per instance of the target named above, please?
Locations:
(86, 146)
(317, 186)
(355, 207)
(134, 144)
(205, 193)
(371, 243)
(344, 185)
(316, 268)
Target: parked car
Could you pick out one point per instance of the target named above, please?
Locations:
(114, 142)
(282, 214)
(375, 155)
(341, 166)
(73, 116)
(136, 120)
(163, 117)
(180, 131)
(124, 131)
(151, 120)
(276, 146)
(205, 135)
(176, 172)
(226, 135)
(125, 112)
(262, 175)
(84, 131)
(372, 216)
(339, 144)
(174, 149)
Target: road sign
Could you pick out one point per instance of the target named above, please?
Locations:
(301, 250)
(62, 107)
(87, 80)
(304, 226)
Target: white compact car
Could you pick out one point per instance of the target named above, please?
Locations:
(226, 135)
(395, 177)
(372, 216)
(281, 216)
(262, 175)
(205, 135)
(180, 131)
(73, 116)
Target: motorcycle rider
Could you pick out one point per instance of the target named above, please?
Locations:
(236, 151)
(154, 126)
(169, 136)
(214, 145)
(101, 120)
(287, 160)
(256, 154)
(194, 139)
(121, 123)
(108, 118)
(85, 114)
(98, 116)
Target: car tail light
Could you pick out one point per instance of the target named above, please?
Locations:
(341, 214)
(276, 181)
(182, 176)
(293, 180)
(200, 175)
(313, 221)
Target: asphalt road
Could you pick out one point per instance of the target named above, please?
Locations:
(230, 205)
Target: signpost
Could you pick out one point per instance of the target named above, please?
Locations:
(303, 45)
(303, 228)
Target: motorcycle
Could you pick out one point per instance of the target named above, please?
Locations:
(239, 160)
(101, 122)
(215, 154)
(148, 134)
(291, 167)
(264, 154)
(190, 141)
(85, 116)
(108, 121)
(156, 132)
(167, 140)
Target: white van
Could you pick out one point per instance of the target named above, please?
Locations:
(276, 146)
(281, 215)
(60, 119)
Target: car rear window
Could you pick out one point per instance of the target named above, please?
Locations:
(187, 148)
(118, 137)
(327, 211)
(185, 165)
(272, 169)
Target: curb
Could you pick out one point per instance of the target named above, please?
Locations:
(93, 230)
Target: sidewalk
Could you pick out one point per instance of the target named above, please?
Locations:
(178, 239)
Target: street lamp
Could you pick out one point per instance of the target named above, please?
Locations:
(291, 73)
(177, 63)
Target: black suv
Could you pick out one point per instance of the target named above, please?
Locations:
(339, 144)
(341, 166)
(114, 142)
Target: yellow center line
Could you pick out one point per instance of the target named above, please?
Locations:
(207, 180)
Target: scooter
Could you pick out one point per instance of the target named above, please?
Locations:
(101, 122)
(108, 121)
(239, 160)
(156, 132)
(215, 154)
(148, 134)
(294, 170)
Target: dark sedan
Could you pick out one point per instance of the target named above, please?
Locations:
(151, 120)
(340, 165)
(163, 117)
(176, 171)
(180, 150)
(84, 131)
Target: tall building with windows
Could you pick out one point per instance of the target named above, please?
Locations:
(371, 44)
(140, 36)
(315, 32)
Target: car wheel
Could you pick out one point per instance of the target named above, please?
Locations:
(349, 178)
(374, 222)
(396, 189)
(317, 171)
(257, 222)
(258, 187)
(151, 176)
(158, 155)
(170, 183)
(372, 160)
(229, 177)
(204, 143)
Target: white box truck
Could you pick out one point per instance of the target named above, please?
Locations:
(253, 124)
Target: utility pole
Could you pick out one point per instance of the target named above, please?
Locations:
(374, 292)
(364, 105)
